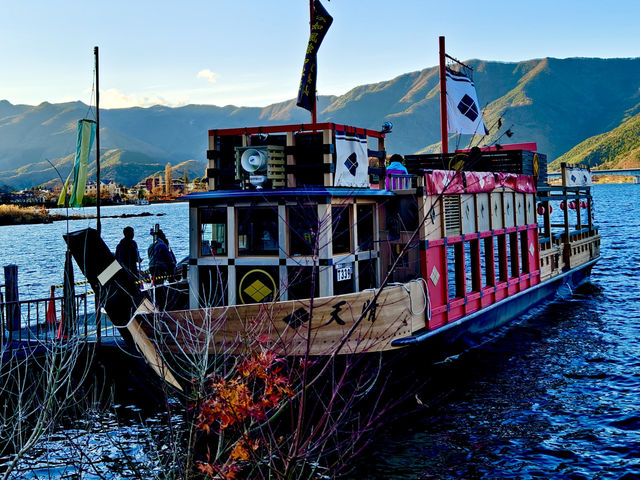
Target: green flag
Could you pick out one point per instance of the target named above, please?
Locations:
(86, 134)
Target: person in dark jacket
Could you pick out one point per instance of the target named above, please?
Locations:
(162, 261)
(127, 252)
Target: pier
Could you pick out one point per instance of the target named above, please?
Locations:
(32, 326)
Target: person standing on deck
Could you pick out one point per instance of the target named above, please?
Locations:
(162, 261)
(127, 252)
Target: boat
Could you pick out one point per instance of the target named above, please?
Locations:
(308, 243)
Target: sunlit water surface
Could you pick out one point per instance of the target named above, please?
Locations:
(556, 395)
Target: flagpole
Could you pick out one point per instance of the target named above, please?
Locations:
(98, 295)
(444, 134)
(98, 225)
(314, 117)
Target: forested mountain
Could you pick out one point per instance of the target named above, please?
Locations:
(618, 148)
(557, 103)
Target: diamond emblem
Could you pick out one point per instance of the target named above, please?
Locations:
(468, 108)
(257, 290)
(531, 249)
(352, 164)
(435, 276)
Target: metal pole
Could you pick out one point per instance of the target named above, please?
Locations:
(444, 134)
(98, 225)
(12, 297)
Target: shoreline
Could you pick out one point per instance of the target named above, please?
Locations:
(15, 215)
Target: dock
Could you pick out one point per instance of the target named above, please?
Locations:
(32, 327)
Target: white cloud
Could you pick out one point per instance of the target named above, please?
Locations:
(208, 75)
(114, 98)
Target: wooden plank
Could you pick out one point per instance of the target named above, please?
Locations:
(468, 214)
(334, 324)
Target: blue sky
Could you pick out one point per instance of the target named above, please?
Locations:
(250, 52)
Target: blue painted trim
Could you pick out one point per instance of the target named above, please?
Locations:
(291, 192)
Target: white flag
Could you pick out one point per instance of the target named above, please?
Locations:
(352, 161)
(463, 111)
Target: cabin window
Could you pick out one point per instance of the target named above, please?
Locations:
(213, 231)
(213, 286)
(513, 254)
(365, 227)
(257, 231)
(524, 251)
(302, 221)
(455, 270)
(300, 281)
(341, 216)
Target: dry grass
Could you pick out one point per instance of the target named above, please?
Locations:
(16, 215)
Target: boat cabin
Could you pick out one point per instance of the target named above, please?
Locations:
(278, 208)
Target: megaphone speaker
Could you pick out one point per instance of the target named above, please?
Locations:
(254, 160)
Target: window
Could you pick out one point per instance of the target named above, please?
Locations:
(365, 227)
(455, 272)
(213, 231)
(302, 221)
(257, 231)
(341, 228)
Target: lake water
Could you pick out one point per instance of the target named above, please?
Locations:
(556, 395)
(38, 250)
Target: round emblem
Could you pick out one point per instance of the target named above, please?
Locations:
(257, 286)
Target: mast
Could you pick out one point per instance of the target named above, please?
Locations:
(444, 134)
(98, 296)
(98, 225)
(312, 15)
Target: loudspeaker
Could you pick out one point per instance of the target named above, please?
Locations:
(254, 161)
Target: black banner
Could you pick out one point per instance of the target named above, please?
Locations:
(321, 23)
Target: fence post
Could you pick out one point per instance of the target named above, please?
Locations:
(12, 297)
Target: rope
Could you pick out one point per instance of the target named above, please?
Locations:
(425, 296)
(142, 280)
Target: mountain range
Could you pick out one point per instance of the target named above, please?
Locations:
(558, 103)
